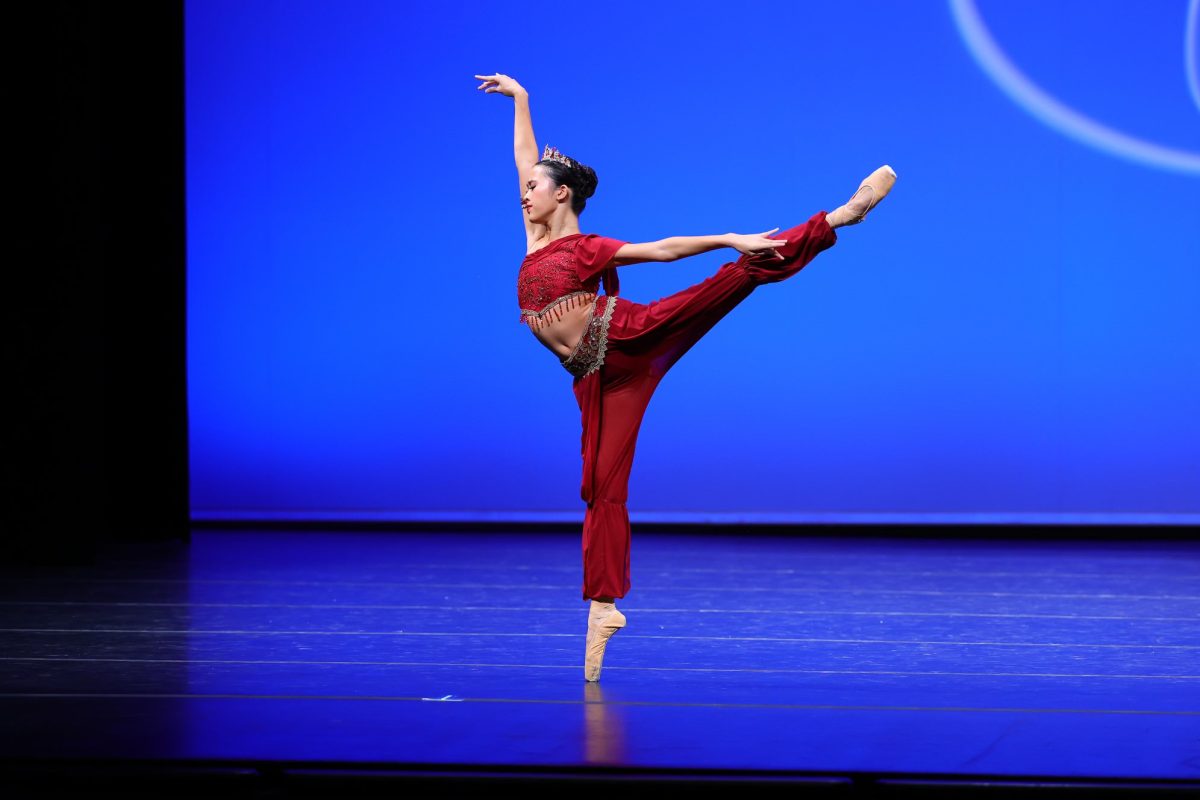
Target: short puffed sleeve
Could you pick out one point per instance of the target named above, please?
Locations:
(593, 253)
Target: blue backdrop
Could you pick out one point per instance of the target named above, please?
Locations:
(1013, 335)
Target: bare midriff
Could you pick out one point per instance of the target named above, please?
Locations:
(561, 328)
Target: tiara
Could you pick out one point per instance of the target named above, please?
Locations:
(552, 154)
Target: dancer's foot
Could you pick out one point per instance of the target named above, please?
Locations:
(603, 621)
(873, 189)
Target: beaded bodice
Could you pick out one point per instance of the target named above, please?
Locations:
(564, 274)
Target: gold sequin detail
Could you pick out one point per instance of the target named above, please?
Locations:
(588, 355)
(555, 310)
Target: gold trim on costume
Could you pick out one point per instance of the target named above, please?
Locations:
(588, 355)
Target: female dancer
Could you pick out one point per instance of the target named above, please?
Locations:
(617, 350)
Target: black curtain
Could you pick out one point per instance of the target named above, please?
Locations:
(96, 442)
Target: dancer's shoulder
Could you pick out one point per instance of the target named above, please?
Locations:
(594, 252)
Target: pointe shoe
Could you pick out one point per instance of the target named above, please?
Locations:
(599, 632)
(878, 183)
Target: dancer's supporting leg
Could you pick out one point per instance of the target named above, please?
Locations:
(644, 341)
(612, 401)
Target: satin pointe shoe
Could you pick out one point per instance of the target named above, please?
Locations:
(600, 630)
(877, 185)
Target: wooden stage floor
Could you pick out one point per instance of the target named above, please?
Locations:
(822, 662)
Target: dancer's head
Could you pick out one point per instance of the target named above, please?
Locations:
(557, 185)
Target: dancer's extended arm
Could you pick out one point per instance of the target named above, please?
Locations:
(674, 248)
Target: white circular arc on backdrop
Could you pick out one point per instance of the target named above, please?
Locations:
(1190, 51)
(1067, 121)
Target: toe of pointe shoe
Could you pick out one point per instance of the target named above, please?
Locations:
(594, 659)
(877, 184)
(881, 180)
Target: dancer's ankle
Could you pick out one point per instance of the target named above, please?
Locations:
(601, 608)
(849, 213)
(839, 217)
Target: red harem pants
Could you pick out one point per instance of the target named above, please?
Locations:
(643, 342)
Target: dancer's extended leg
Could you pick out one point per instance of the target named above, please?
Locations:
(662, 331)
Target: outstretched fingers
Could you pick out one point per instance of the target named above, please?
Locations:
(773, 245)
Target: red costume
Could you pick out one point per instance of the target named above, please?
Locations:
(625, 351)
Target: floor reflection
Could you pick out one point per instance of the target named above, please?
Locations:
(603, 728)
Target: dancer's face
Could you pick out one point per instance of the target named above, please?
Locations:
(541, 196)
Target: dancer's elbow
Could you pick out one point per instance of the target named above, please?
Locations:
(667, 250)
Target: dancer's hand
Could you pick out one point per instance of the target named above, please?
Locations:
(757, 243)
(500, 83)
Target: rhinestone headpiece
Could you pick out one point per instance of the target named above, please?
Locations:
(553, 154)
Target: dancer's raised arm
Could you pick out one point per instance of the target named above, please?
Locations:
(525, 149)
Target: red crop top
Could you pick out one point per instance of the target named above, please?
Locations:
(564, 274)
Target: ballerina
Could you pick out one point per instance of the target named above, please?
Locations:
(618, 351)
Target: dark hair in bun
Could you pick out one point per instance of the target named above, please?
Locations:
(580, 177)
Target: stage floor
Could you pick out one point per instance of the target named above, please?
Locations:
(817, 657)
